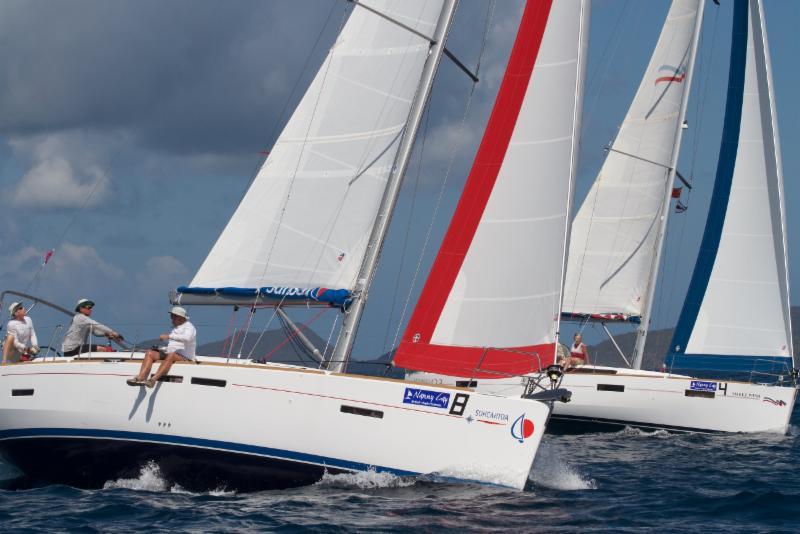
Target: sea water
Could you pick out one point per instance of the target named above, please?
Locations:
(624, 481)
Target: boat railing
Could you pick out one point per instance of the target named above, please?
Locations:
(536, 363)
(766, 371)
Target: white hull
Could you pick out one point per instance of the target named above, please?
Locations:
(261, 425)
(605, 396)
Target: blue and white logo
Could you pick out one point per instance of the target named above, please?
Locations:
(700, 385)
(424, 397)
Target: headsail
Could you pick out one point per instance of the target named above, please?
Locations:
(303, 226)
(614, 241)
(736, 315)
(493, 296)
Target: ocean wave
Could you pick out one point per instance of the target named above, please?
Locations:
(151, 479)
(551, 471)
(630, 431)
(371, 479)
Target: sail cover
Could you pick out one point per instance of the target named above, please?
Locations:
(614, 234)
(306, 219)
(736, 315)
(491, 303)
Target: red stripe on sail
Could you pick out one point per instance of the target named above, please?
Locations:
(475, 362)
(471, 205)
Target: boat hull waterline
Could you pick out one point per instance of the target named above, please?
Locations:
(249, 426)
(606, 398)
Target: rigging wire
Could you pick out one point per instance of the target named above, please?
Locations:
(453, 151)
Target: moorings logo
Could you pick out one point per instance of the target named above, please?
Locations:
(424, 397)
(774, 402)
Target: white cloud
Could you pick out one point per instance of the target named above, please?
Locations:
(61, 174)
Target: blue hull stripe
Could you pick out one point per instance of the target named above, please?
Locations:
(199, 443)
(722, 183)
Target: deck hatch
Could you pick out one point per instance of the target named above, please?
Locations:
(22, 393)
(355, 410)
(209, 382)
(620, 388)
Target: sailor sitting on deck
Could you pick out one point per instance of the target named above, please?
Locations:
(76, 341)
(20, 342)
(181, 346)
(578, 353)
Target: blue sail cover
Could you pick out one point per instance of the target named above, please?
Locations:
(334, 297)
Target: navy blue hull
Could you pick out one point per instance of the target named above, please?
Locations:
(91, 462)
(570, 424)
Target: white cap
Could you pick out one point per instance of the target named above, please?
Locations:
(83, 302)
(180, 312)
(13, 307)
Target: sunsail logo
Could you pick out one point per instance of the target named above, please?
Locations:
(522, 428)
(676, 74)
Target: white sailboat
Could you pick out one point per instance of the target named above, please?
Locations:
(735, 320)
(308, 232)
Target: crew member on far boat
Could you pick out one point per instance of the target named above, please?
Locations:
(578, 353)
(20, 342)
(182, 341)
(76, 341)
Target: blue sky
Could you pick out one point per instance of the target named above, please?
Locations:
(153, 114)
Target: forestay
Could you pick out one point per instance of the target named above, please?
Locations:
(736, 315)
(614, 239)
(492, 299)
(305, 221)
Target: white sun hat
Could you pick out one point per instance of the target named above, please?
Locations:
(13, 308)
(180, 312)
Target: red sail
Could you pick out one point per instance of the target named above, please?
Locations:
(416, 350)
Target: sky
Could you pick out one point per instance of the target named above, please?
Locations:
(130, 130)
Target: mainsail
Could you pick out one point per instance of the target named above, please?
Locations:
(736, 315)
(490, 306)
(301, 231)
(615, 238)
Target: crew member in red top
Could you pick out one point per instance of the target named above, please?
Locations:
(578, 353)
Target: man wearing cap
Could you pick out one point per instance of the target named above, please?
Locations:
(21, 337)
(76, 341)
(182, 341)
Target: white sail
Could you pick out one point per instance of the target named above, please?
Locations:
(745, 306)
(615, 233)
(307, 217)
(497, 279)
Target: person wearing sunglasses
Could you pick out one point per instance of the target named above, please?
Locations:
(76, 340)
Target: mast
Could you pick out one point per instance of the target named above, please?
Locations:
(365, 275)
(641, 333)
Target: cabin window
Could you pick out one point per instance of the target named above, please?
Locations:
(466, 383)
(355, 410)
(171, 378)
(611, 387)
(21, 392)
(706, 394)
(209, 382)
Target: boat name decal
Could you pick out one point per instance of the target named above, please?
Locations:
(774, 402)
(499, 417)
(424, 397)
(522, 428)
(701, 385)
(743, 395)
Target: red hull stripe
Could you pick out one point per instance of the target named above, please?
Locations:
(475, 362)
(471, 205)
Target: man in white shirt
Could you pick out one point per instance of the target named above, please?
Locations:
(182, 341)
(20, 337)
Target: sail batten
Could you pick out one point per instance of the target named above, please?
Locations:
(490, 306)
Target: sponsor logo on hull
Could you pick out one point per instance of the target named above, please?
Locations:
(701, 385)
(774, 402)
(425, 397)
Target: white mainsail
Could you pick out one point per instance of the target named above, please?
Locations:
(615, 234)
(740, 306)
(497, 280)
(307, 217)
